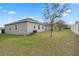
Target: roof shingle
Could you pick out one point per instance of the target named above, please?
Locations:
(25, 20)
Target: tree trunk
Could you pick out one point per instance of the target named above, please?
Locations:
(51, 29)
(51, 26)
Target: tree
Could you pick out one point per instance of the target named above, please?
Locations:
(53, 11)
(60, 25)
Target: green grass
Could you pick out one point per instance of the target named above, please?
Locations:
(62, 43)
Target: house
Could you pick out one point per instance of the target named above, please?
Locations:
(2, 30)
(75, 28)
(25, 26)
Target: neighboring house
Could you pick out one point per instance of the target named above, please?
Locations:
(46, 26)
(2, 30)
(75, 28)
(24, 27)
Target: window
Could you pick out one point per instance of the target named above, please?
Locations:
(10, 28)
(34, 27)
(42, 26)
(15, 27)
(38, 26)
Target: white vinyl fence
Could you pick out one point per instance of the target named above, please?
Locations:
(75, 28)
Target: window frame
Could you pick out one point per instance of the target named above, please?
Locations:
(15, 27)
(10, 28)
(39, 26)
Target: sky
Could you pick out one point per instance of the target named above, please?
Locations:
(11, 12)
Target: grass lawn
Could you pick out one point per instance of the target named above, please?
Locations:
(62, 43)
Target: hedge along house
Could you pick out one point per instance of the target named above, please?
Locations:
(24, 27)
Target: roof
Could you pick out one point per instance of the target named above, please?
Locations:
(25, 20)
(1, 28)
(47, 24)
(77, 22)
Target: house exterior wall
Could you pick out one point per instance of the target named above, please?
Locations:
(30, 27)
(75, 28)
(24, 28)
(47, 27)
(21, 29)
(0, 31)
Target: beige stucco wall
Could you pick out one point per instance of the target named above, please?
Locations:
(47, 27)
(0, 31)
(23, 28)
(31, 27)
